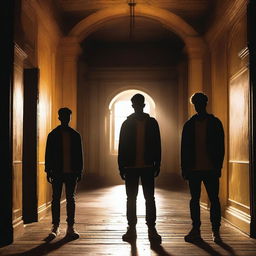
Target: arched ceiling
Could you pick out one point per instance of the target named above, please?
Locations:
(149, 37)
(144, 30)
(195, 12)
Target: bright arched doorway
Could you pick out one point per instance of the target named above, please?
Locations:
(120, 108)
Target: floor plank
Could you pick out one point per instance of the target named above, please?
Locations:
(101, 221)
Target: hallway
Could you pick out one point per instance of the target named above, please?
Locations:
(101, 222)
(91, 57)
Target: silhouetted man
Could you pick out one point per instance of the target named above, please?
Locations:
(139, 157)
(63, 165)
(202, 154)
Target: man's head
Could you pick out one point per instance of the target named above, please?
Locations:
(138, 102)
(200, 102)
(64, 116)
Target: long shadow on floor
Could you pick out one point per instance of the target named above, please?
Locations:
(206, 247)
(156, 247)
(227, 248)
(134, 250)
(159, 249)
(209, 249)
(45, 248)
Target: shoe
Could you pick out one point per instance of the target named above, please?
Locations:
(71, 232)
(216, 237)
(55, 231)
(130, 234)
(193, 236)
(153, 236)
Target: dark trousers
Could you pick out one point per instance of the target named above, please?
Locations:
(211, 183)
(148, 184)
(70, 181)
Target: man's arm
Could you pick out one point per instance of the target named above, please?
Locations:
(184, 146)
(77, 154)
(220, 147)
(158, 149)
(80, 158)
(121, 151)
(48, 158)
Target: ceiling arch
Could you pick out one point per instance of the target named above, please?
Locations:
(171, 21)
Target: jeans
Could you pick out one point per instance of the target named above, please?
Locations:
(148, 184)
(211, 183)
(70, 181)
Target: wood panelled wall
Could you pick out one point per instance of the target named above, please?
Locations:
(230, 102)
(19, 57)
(39, 44)
(238, 79)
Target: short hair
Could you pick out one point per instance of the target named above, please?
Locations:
(199, 97)
(64, 111)
(138, 99)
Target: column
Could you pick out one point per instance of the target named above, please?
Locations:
(70, 51)
(195, 69)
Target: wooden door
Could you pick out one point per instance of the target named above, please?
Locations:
(29, 168)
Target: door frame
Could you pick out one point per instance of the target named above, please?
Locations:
(251, 36)
(6, 81)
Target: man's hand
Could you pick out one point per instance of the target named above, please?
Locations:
(184, 175)
(49, 178)
(79, 177)
(122, 174)
(156, 171)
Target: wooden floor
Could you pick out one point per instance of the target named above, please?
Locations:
(101, 222)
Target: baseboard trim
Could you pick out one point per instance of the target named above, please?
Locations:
(238, 218)
(19, 226)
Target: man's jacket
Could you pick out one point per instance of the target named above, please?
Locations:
(127, 142)
(54, 151)
(214, 144)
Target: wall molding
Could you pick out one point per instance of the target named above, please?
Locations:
(238, 73)
(244, 53)
(19, 226)
(242, 207)
(238, 218)
(238, 162)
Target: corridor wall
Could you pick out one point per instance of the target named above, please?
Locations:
(230, 102)
(37, 38)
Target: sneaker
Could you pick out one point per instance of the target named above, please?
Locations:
(55, 231)
(193, 236)
(216, 237)
(71, 232)
(154, 236)
(130, 234)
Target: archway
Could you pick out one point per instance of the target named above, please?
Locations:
(70, 48)
(119, 108)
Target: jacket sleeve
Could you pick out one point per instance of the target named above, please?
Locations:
(80, 154)
(157, 144)
(221, 144)
(121, 147)
(184, 148)
(48, 154)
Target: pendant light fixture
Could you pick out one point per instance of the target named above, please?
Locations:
(132, 4)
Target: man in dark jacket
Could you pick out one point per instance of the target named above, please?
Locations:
(139, 157)
(202, 154)
(64, 164)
